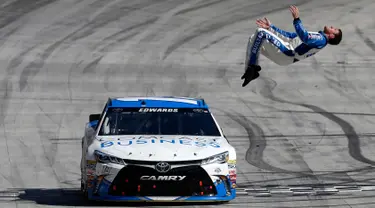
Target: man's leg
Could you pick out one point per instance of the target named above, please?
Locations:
(256, 42)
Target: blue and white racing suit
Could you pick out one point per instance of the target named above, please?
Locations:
(284, 47)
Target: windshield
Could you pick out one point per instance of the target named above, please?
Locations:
(158, 121)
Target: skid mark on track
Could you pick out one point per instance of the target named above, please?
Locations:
(103, 48)
(122, 36)
(34, 67)
(314, 190)
(51, 149)
(221, 74)
(105, 16)
(324, 175)
(340, 176)
(90, 67)
(214, 42)
(17, 9)
(366, 40)
(181, 86)
(346, 83)
(7, 34)
(99, 21)
(200, 6)
(266, 91)
(348, 129)
(143, 53)
(28, 159)
(87, 29)
(366, 61)
(223, 21)
(74, 66)
(149, 89)
(14, 178)
(4, 101)
(74, 19)
(165, 17)
(128, 29)
(114, 39)
(258, 143)
(10, 14)
(338, 80)
(343, 86)
(17, 60)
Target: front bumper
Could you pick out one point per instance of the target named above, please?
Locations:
(125, 185)
(104, 196)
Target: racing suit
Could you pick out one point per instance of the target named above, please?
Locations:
(283, 47)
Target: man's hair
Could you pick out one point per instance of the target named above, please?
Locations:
(337, 39)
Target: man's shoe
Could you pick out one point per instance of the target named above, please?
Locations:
(252, 72)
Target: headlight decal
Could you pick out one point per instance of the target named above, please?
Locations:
(219, 158)
(105, 158)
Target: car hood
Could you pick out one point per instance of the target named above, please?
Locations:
(166, 148)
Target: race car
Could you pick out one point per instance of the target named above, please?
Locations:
(153, 149)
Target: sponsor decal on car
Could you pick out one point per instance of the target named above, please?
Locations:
(91, 162)
(233, 178)
(90, 172)
(231, 166)
(190, 142)
(162, 178)
(231, 161)
(217, 170)
(158, 110)
(91, 166)
(233, 175)
(103, 169)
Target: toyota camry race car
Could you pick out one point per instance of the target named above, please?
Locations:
(156, 149)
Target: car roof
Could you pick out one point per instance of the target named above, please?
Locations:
(158, 102)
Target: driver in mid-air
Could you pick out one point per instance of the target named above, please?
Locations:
(284, 47)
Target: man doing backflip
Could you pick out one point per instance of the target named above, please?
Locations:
(284, 47)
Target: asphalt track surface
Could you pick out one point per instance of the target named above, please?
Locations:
(308, 126)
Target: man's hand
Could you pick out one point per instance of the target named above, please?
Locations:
(295, 12)
(266, 24)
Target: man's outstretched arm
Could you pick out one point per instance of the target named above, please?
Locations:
(313, 40)
(266, 24)
(283, 32)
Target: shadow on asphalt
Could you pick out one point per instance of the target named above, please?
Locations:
(74, 198)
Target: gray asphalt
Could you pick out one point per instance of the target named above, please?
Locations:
(307, 125)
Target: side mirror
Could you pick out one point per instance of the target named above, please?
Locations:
(94, 117)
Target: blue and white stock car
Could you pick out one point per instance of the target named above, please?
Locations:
(154, 149)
